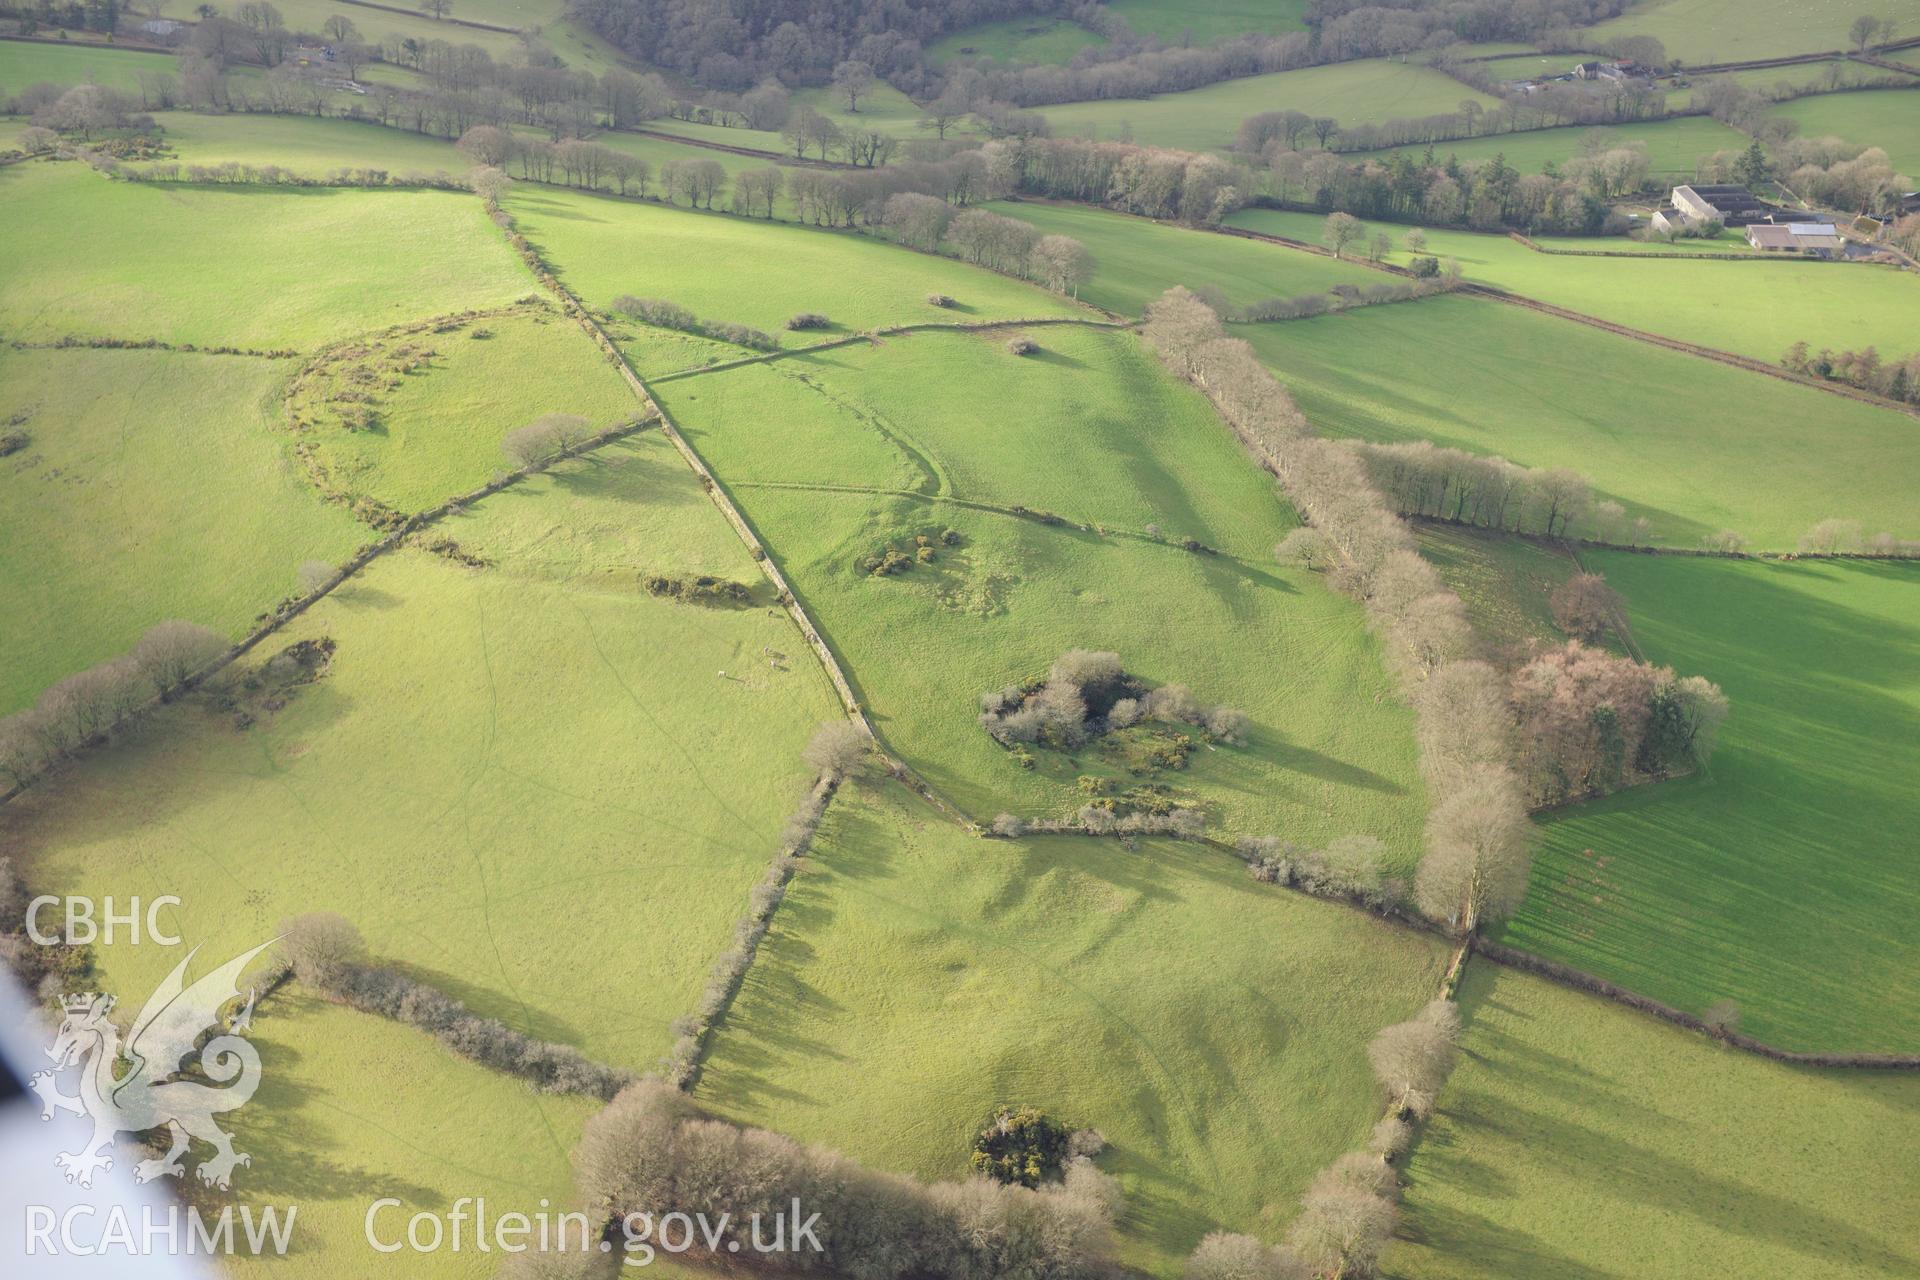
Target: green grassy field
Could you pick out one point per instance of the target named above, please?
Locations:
(1037, 39)
(1781, 878)
(1137, 260)
(1702, 31)
(836, 456)
(650, 788)
(1205, 119)
(378, 25)
(602, 248)
(1751, 310)
(309, 147)
(154, 488)
(882, 108)
(1205, 21)
(473, 718)
(237, 265)
(1884, 118)
(437, 430)
(1212, 1028)
(438, 1128)
(1497, 379)
(1581, 1141)
(767, 140)
(1673, 146)
(23, 63)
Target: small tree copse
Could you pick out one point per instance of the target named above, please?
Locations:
(1584, 606)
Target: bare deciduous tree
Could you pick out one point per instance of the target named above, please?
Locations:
(1412, 1059)
(1306, 547)
(321, 947)
(852, 79)
(1584, 606)
(836, 749)
(1061, 263)
(1464, 722)
(171, 651)
(1223, 1255)
(1479, 852)
(1342, 1231)
(489, 183)
(312, 575)
(1341, 230)
(1831, 537)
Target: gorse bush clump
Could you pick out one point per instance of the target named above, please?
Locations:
(699, 589)
(1348, 867)
(662, 314)
(1021, 1146)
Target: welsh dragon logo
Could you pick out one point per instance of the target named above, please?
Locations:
(149, 1093)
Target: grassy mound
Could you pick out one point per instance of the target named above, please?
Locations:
(1136, 260)
(434, 1129)
(1884, 118)
(1717, 31)
(1674, 146)
(493, 751)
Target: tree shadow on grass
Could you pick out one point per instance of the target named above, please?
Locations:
(1496, 1251)
(281, 1129)
(482, 1002)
